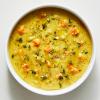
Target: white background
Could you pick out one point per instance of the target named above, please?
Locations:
(10, 10)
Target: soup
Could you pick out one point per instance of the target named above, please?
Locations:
(50, 49)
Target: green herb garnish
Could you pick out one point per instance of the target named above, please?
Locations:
(44, 26)
(43, 77)
(12, 56)
(26, 57)
(66, 76)
(60, 85)
(20, 40)
(78, 45)
(24, 46)
(33, 72)
(85, 51)
(70, 21)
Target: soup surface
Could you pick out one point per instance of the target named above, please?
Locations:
(50, 48)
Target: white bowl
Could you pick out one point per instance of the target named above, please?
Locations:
(52, 92)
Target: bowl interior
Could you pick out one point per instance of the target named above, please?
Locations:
(52, 92)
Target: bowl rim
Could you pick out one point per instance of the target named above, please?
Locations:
(51, 92)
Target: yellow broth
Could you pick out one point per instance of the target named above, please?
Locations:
(50, 49)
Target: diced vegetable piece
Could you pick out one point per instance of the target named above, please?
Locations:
(66, 53)
(63, 24)
(21, 30)
(57, 17)
(30, 38)
(48, 63)
(81, 57)
(25, 67)
(36, 42)
(42, 15)
(73, 70)
(20, 52)
(47, 49)
(74, 31)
